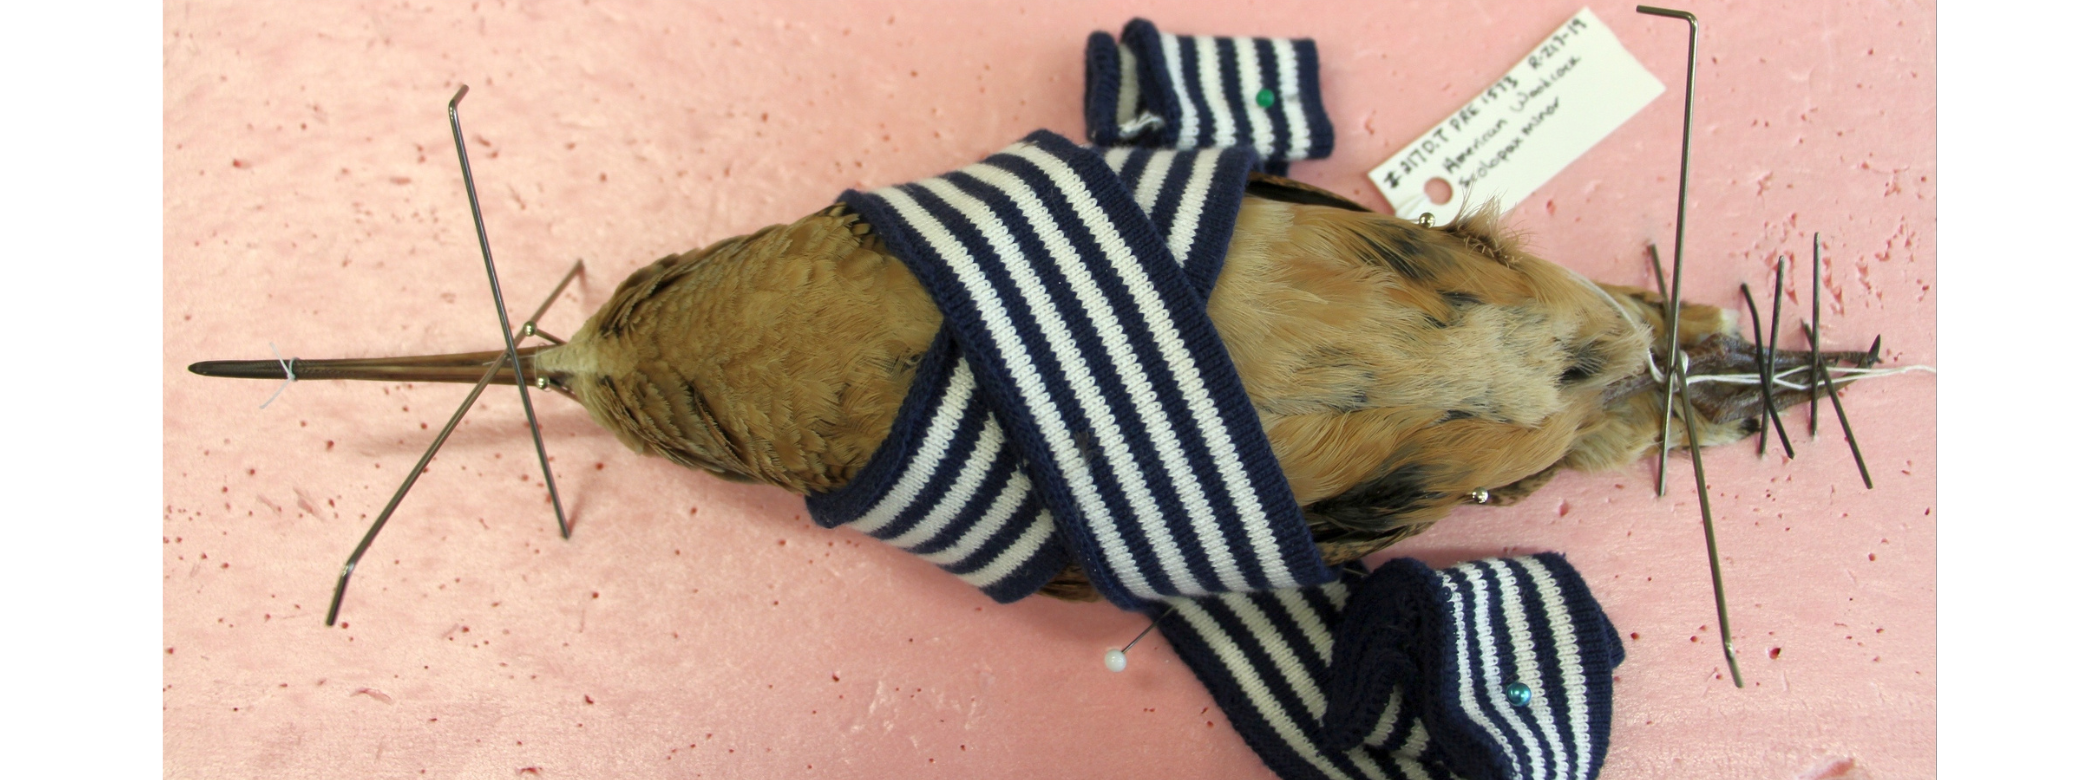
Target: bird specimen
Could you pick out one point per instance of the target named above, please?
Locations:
(1398, 369)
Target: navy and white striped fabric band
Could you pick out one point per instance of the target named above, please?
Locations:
(947, 487)
(1196, 91)
(1081, 327)
(1491, 669)
(1077, 404)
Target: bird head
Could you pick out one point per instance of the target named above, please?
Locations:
(778, 357)
(620, 365)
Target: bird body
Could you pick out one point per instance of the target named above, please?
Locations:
(1397, 368)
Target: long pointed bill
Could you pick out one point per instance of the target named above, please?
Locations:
(462, 368)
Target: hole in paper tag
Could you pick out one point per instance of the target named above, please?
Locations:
(1438, 190)
(1561, 99)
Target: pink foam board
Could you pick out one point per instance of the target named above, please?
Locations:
(698, 628)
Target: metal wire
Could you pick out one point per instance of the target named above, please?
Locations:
(1148, 629)
(1839, 406)
(510, 343)
(342, 583)
(1771, 357)
(1674, 386)
(1713, 551)
(1684, 178)
(1815, 328)
(1765, 370)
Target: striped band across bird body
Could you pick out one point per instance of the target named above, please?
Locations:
(1078, 398)
(1076, 405)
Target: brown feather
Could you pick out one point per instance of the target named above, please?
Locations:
(1396, 367)
(779, 357)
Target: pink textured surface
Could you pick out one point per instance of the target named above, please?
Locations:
(698, 628)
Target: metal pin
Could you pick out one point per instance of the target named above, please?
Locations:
(1764, 375)
(1706, 521)
(1148, 629)
(1140, 123)
(1426, 220)
(1655, 261)
(1839, 406)
(533, 329)
(1684, 174)
(1771, 357)
(1817, 372)
(1118, 660)
(510, 344)
(1764, 382)
(1674, 386)
(1815, 328)
(342, 583)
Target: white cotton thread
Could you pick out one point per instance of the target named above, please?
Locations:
(1839, 375)
(289, 377)
(1654, 372)
(1141, 123)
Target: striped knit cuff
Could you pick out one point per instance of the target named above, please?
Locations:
(1194, 91)
(1506, 663)
(947, 486)
(1491, 669)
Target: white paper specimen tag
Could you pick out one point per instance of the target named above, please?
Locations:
(1568, 94)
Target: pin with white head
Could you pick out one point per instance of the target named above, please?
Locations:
(1118, 660)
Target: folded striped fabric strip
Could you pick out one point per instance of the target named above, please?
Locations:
(1198, 91)
(1078, 397)
(1077, 405)
(1491, 669)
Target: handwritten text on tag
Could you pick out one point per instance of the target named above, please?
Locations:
(1568, 94)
